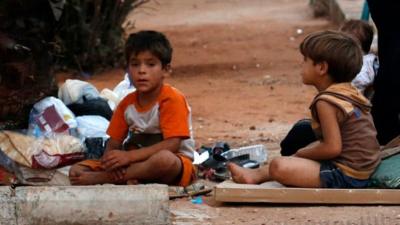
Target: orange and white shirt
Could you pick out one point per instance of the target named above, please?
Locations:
(170, 116)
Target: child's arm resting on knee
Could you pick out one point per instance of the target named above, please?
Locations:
(331, 144)
(115, 158)
(113, 144)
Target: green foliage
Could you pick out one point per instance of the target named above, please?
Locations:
(90, 35)
(33, 39)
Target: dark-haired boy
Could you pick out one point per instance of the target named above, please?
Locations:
(153, 124)
(364, 33)
(347, 151)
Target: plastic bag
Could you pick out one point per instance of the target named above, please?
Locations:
(122, 89)
(387, 175)
(8, 164)
(112, 98)
(92, 126)
(18, 174)
(74, 91)
(98, 106)
(49, 116)
(95, 147)
(41, 153)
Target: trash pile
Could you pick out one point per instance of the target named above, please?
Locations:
(212, 161)
(61, 132)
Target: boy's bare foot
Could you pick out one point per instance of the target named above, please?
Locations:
(244, 175)
(84, 178)
(132, 182)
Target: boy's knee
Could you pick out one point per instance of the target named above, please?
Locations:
(164, 160)
(76, 170)
(277, 168)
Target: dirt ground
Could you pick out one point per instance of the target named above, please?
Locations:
(237, 62)
(239, 66)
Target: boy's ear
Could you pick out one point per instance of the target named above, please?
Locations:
(168, 69)
(323, 68)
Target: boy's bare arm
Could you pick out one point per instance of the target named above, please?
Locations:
(113, 144)
(114, 159)
(331, 144)
(171, 144)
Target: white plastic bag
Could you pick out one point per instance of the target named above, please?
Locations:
(92, 126)
(122, 89)
(73, 91)
(50, 115)
(112, 98)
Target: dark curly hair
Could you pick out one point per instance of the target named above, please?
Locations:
(148, 40)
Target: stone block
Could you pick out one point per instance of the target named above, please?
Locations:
(86, 205)
(7, 206)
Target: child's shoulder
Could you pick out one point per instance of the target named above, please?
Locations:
(129, 99)
(169, 91)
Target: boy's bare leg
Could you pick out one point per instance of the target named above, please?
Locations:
(163, 167)
(82, 175)
(249, 176)
(295, 171)
(290, 171)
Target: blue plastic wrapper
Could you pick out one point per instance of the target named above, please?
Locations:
(197, 200)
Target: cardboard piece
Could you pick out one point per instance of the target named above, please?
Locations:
(51, 121)
(273, 192)
(391, 148)
(386, 153)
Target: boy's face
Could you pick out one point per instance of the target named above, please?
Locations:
(309, 72)
(146, 72)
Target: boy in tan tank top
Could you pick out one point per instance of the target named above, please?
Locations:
(347, 151)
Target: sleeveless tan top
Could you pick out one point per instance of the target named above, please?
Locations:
(360, 149)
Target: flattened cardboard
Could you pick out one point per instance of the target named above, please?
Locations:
(272, 192)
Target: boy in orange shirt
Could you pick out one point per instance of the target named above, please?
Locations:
(153, 124)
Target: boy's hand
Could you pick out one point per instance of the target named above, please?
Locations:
(114, 159)
(119, 174)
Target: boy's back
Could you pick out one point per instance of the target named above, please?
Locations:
(359, 156)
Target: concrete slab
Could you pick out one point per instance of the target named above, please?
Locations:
(7, 206)
(107, 204)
